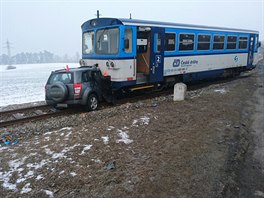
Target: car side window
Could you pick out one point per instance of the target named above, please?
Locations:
(86, 76)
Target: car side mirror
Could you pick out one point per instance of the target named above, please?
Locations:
(259, 44)
(126, 43)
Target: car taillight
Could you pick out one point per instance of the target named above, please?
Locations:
(77, 90)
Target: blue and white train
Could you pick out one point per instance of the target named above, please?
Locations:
(138, 54)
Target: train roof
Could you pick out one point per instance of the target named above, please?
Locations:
(99, 22)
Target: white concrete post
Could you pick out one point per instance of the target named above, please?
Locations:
(179, 91)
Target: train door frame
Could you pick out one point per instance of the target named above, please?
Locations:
(157, 43)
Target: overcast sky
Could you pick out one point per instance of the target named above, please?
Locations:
(55, 26)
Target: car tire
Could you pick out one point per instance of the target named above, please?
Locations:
(92, 102)
(58, 92)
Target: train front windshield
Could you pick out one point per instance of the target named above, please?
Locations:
(107, 41)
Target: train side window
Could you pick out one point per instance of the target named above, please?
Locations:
(186, 42)
(157, 42)
(170, 39)
(231, 42)
(243, 42)
(204, 42)
(219, 41)
(128, 39)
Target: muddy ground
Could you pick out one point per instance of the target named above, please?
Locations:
(210, 145)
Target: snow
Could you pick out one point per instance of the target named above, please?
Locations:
(49, 193)
(105, 139)
(73, 174)
(39, 177)
(221, 91)
(110, 128)
(144, 120)
(86, 148)
(124, 137)
(26, 189)
(26, 83)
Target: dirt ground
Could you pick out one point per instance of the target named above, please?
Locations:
(210, 145)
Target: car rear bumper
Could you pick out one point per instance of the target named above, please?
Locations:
(69, 102)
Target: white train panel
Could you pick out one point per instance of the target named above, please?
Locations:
(190, 64)
(122, 70)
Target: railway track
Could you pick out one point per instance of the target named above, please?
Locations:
(29, 114)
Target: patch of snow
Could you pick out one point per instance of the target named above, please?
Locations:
(105, 139)
(39, 177)
(222, 91)
(110, 128)
(3, 148)
(29, 174)
(26, 189)
(47, 138)
(144, 120)
(134, 123)
(86, 148)
(73, 174)
(48, 133)
(96, 160)
(124, 137)
(68, 134)
(63, 152)
(61, 172)
(65, 128)
(48, 151)
(38, 165)
(49, 193)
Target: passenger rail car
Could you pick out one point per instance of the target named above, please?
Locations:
(139, 54)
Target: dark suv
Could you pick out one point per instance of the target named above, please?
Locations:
(81, 85)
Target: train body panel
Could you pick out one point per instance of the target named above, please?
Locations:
(190, 64)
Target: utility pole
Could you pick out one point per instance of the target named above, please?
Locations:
(8, 47)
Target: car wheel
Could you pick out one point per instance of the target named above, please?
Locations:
(92, 102)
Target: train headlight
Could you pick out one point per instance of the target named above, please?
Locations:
(107, 64)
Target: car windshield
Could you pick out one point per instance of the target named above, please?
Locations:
(66, 78)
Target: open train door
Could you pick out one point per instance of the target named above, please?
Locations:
(156, 54)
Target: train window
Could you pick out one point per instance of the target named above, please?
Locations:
(243, 41)
(157, 38)
(204, 42)
(128, 37)
(170, 41)
(107, 41)
(142, 42)
(186, 42)
(219, 42)
(88, 43)
(231, 42)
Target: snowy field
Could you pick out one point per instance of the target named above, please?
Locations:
(26, 83)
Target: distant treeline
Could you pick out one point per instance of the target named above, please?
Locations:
(41, 57)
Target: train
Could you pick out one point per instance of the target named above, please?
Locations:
(138, 54)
